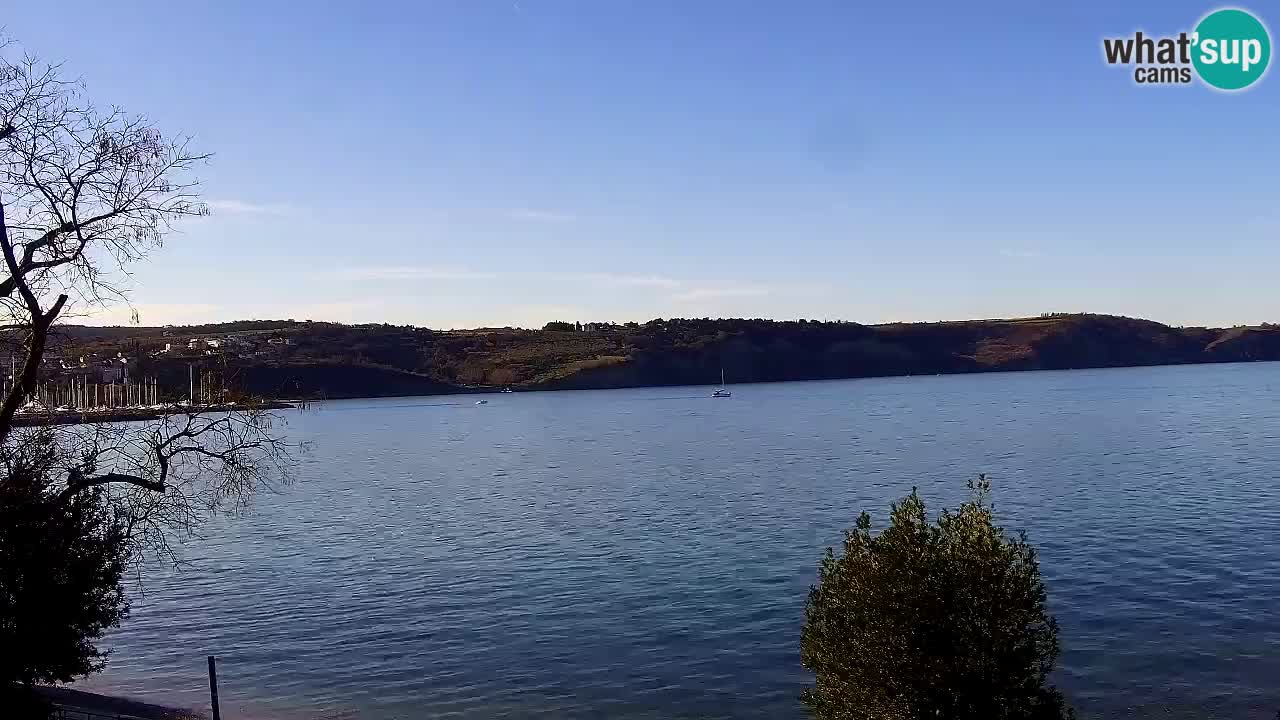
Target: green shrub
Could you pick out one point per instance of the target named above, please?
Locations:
(931, 620)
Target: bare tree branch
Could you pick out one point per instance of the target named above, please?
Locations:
(77, 482)
(84, 192)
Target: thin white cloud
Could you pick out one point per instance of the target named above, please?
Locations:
(453, 272)
(352, 311)
(1021, 254)
(641, 281)
(149, 314)
(554, 216)
(718, 293)
(155, 314)
(240, 207)
(419, 272)
(522, 316)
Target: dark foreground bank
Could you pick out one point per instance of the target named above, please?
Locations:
(80, 705)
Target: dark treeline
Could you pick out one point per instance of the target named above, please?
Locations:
(315, 359)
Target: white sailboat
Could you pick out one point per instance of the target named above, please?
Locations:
(722, 391)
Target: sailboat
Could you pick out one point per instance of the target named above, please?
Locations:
(722, 391)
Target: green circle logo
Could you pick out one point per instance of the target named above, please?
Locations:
(1232, 49)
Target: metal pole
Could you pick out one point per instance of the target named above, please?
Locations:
(213, 688)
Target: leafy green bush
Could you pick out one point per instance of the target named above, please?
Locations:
(932, 620)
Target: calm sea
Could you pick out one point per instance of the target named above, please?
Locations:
(646, 553)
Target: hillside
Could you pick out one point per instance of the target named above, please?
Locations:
(299, 359)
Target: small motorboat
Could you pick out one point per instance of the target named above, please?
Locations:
(482, 402)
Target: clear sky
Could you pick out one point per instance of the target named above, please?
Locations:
(495, 162)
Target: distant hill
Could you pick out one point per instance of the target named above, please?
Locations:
(299, 359)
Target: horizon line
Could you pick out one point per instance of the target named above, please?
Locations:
(1015, 318)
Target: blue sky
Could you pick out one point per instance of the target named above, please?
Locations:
(495, 162)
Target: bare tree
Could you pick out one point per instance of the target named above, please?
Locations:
(84, 192)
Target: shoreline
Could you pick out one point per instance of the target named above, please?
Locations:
(97, 705)
(84, 417)
(471, 390)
